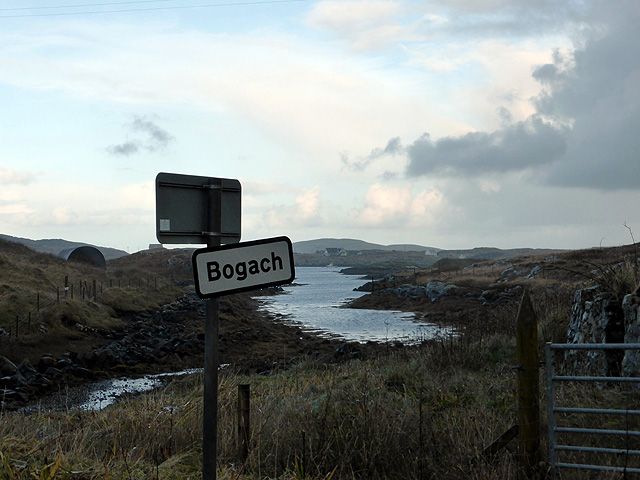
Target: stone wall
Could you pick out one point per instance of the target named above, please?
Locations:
(631, 361)
(596, 317)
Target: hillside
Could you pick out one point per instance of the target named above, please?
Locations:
(351, 245)
(312, 246)
(51, 317)
(56, 245)
(492, 253)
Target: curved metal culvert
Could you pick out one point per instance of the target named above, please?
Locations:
(85, 254)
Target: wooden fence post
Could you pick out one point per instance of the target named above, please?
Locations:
(528, 388)
(244, 395)
(95, 290)
(66, 285)
(58, 294)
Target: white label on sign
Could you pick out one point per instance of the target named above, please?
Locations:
(165, 225)
(243, 266)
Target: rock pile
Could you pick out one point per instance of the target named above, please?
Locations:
(433, 290)
(149, 339)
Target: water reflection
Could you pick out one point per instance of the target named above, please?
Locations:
(314, 302)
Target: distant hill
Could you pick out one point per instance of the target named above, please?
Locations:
(312, 246)
(55, 245)
(492, 253)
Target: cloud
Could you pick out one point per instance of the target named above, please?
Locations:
(347, 15)
(9, 176)
(127, 205)
(383, 23)
(307, 204)
(154, 138)
(305, 211)
(393, 147)
(583, 132)
(523, 145)
(15, 209)
(366, 24)
(157, 137)
(392, 206)
(125, 149)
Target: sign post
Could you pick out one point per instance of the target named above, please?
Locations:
(193, 209)
(204, 210)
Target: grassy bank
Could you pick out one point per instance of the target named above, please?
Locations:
(416, 413)
(428, 410)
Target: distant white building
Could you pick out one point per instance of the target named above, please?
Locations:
(156, 246)
(335, 252)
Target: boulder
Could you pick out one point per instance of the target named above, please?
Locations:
(7, 367)
(537, 269)
(508, 274)
(27, 370)
(45, 362)
(436, 290)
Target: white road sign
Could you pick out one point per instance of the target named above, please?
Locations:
(243, 266)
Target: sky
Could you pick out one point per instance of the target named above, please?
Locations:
(449, 123)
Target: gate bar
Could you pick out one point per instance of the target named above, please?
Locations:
(598, 431)
(588, 378)
(617, 451)
(602, 468)
(595, 346)
(597, 411)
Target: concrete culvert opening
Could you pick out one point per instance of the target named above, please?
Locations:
(86, 254)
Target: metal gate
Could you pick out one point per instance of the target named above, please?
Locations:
(555, 446)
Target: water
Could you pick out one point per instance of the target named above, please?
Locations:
(103, 394)
(316, 300)
(99, 395)
(314, 303)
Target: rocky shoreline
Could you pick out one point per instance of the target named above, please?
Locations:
(172, 338)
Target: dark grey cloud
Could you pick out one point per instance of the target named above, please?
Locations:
(158, 137)
(520, 146)
(393, 147)
(125, 149)
(585, 129)
(149, 136)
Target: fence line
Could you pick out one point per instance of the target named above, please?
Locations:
(25, 324)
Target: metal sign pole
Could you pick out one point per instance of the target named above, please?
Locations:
(211, 361)
(195, 209)
(210, 417)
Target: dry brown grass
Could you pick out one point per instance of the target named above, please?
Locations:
(387, 418)
(420, 413)
(29, 280)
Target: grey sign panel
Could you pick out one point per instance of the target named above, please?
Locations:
(243, 266)
(194, 209)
